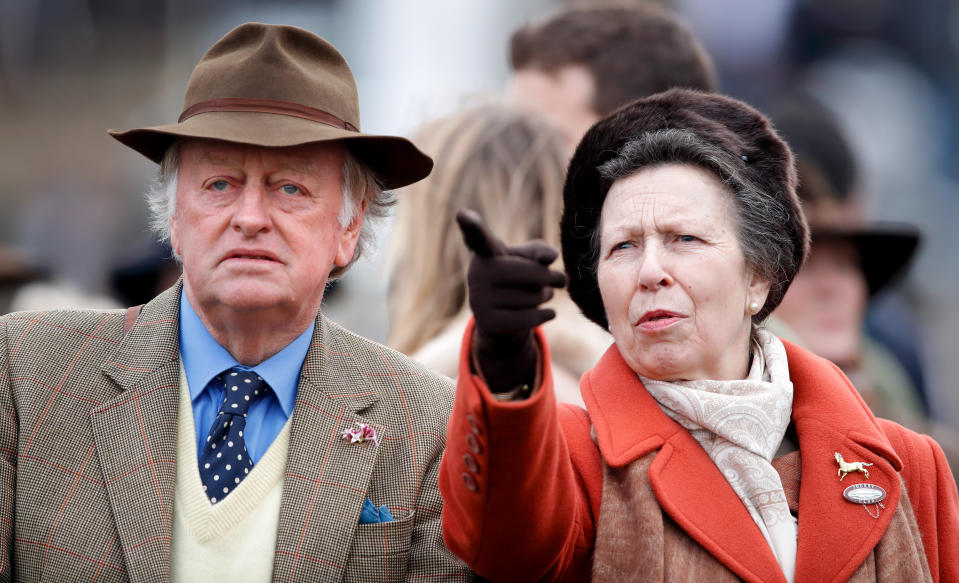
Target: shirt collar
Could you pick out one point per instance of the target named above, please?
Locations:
(204, 358)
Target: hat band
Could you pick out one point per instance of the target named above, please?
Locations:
(266, 106)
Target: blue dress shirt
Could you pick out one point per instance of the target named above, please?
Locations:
(204, 358)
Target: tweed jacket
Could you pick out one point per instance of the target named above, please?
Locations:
(88, 419)
(523, 481)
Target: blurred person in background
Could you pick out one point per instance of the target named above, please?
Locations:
(709, 449)
(851, 260)
(227, 430)
(15, 272)
(572, 68)
(63, 294)
(24, 285)
(27, 286)
(888, 71)
(588, 59)
(145, 271)
(508, 165)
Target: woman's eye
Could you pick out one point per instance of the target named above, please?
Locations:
(220, 185)
(622, 245)
(290, 189)
(687, 238)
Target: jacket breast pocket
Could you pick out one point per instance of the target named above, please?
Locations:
(380, 551)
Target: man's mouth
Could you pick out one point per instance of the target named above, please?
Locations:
(250, 255)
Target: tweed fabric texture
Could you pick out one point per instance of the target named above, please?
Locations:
(637, 541)
(88, 422)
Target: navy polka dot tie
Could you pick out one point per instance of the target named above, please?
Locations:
(225, 461)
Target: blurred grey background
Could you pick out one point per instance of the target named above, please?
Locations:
(71, 197)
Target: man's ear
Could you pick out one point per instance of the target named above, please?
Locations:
(174, 237)
(349, 238)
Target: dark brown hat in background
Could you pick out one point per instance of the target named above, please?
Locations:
(16, 268)
(828, 174)
(885, 249)
(276, 86)
(727, 124)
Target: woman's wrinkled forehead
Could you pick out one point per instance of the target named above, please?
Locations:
(650, 178)
(668, 197)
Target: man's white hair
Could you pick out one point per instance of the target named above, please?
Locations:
(359, 185)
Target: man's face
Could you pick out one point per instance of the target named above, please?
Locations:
(257, 229)
(564, 96)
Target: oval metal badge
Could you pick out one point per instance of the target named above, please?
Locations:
(864, 494)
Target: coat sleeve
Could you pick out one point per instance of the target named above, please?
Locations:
(8, 467)
(521, 481)
(934, 497)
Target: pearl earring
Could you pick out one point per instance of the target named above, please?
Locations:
(753, 308)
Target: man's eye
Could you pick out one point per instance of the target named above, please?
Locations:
(220, 185)
(290, 189)
(687, 238)
(622, 245)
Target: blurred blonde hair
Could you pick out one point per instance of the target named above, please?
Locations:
(506, 164)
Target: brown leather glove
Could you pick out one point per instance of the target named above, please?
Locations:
(506, 287)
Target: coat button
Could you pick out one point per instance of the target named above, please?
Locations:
(471, 463)
(473, 444)
(474, 425)
(470, 482)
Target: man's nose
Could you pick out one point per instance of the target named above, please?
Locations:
(252, 210)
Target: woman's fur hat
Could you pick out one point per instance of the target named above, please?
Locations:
(726, 123)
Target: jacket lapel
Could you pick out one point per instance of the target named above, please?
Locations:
(687, 484)
(135, 436)
(836, 536)
(326, 478)
(694, 493)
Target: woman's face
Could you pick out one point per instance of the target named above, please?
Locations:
(826, 303)
(672, 275)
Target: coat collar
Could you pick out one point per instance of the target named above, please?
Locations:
(135, 436)
(324, 472)
(835, 536)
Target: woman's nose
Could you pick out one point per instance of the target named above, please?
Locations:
(652, 272)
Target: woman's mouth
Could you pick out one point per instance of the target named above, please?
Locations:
(658, 319)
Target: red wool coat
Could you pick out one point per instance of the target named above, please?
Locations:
(522, 481)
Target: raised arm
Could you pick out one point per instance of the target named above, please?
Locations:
(506, 287)
(516, 507)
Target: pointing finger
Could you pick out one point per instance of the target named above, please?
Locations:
(476, 236)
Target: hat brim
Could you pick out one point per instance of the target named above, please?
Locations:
(395, 160)
(885, 249)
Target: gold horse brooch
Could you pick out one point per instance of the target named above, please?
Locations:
(849, 467)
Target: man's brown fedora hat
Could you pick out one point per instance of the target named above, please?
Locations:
(275, 86)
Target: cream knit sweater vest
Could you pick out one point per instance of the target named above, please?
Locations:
(235, 539)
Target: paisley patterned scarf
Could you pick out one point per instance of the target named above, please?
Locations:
(740, 424)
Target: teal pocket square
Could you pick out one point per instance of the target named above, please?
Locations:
(370, 514)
